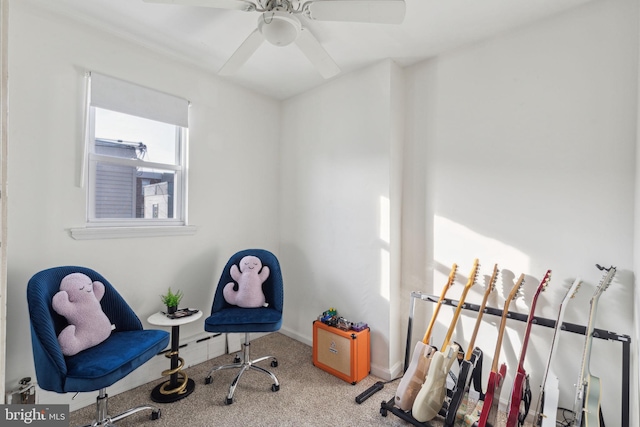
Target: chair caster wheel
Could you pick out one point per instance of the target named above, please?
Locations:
(155, 414)
(275, 387)
(274, 363)
(228, 401)
(208, 380)
(236, 359)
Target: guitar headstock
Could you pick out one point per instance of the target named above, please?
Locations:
(474, 273)
(573, 290)
(606, 279)
(452, 275)
(516, 290)
(544, 282)
(494, 278)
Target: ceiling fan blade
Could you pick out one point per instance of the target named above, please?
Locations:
(370, 11)
(219, 4)
(242, 54)
(313, 50)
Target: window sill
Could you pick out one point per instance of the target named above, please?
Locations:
(93, 233)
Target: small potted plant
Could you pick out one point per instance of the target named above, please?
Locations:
(171, 300)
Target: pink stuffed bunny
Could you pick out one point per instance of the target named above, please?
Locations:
(79, 302)
(249, 278)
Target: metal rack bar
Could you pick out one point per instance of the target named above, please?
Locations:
(388, 406)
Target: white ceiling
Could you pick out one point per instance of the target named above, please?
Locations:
(207, 37)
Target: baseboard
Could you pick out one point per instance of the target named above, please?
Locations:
(387, 374)
(296, 336)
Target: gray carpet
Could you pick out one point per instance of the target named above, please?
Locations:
(308, 396)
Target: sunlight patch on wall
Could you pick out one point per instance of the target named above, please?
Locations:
(456, 243)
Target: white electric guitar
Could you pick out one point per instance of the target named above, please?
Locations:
(547, 406)
(431, 396)
(416, 373)
(588, 388)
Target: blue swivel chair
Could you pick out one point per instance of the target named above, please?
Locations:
(227, 318)
(95, 368)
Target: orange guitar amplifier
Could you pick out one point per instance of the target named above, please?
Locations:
(345, 354)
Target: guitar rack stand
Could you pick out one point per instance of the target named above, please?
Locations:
(389, 406)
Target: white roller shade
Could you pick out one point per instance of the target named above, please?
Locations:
(118, 95)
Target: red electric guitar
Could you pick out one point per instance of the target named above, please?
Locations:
(431, 396)
(489, 411)
(520, 392)
(415, 374)
(471, 362)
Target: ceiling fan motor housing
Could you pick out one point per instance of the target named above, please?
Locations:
(278, 27)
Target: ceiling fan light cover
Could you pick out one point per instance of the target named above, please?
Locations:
(279, 28)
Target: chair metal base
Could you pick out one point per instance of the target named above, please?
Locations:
(102, 412)
(245, 364)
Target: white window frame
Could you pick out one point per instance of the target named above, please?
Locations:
(134, 105)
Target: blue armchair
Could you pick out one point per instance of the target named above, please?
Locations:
(96, 368)
(227, 318)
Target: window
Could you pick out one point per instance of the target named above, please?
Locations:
(136, 156)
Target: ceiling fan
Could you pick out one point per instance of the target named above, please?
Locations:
(279, 24)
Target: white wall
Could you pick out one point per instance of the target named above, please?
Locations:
(518, 150)
(635, 375)
(339, 220)
(4, 19)
(528, 143)
(233, 173)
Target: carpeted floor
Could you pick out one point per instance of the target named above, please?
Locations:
(308, 396)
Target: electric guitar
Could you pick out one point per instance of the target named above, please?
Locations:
(489, 410)
(415, 374)
(431, 396)
(587, 403)
(471, 366)
(550, 393)
(520, 392)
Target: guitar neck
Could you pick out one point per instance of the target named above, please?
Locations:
(456, 315)
(436, 310)
(586, 357)
(496, 353)
(534, 302)
(503, 322)
(476, 328)
(554, 341)
(525, 342)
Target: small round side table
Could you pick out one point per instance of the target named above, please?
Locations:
(179, 385)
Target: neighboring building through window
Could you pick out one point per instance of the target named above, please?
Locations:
(128, 191)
